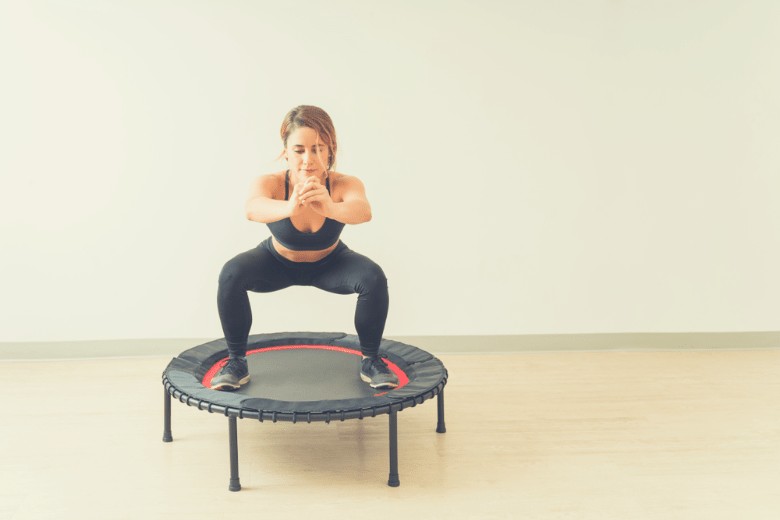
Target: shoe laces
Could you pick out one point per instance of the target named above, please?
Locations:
(380, 366)
(233, 366)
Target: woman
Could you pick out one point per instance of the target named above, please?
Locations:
(305, 208)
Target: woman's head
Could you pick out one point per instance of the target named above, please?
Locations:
(309, 139)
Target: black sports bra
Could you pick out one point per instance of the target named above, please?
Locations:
(292, 238)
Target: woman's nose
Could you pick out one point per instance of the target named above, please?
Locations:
(310, 158)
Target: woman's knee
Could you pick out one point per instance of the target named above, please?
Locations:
(232, 273)
(372, 278)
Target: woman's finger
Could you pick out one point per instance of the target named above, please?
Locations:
(314, 191)
(307, 187)
(317, 198)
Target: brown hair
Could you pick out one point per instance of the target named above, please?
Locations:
(309, 116)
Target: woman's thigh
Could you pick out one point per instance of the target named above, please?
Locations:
(256, 270)
(349, 272)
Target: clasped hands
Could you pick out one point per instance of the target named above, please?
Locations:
(312, 194)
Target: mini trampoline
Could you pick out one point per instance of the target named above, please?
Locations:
(304, 377)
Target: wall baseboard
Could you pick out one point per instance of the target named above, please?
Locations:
(585, 342)
(434, 344)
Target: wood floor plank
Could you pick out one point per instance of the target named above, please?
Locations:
(582, 435)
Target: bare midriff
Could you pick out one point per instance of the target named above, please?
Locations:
(302, 256)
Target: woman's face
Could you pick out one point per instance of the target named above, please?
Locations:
(306, 154)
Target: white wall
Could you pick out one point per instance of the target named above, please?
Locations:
(534, 167)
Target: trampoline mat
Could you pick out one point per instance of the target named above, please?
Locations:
(306, 373)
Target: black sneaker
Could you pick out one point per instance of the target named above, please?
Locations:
(376, 373)
(231, 376)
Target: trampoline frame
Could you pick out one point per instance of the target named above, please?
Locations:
(233, 413)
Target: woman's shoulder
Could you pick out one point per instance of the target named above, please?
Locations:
(270, 183)
(346, 186)
(343, 179)
(277, 176)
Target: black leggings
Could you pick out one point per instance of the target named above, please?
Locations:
(263, 269)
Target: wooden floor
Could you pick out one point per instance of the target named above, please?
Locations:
(574, 435)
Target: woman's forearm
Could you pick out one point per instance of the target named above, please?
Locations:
(264, 210)
(351, 212)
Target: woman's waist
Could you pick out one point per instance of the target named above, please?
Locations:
(302, 256)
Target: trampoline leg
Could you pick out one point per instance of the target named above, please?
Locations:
(440, 428)
(393, 480)
(235, 484)
(167, 437)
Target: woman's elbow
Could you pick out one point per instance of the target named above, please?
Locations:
(365, 215)
(254, 217)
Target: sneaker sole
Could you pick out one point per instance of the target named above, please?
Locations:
(367, 379)
(228, 386)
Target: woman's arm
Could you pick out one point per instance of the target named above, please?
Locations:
(261, 206)
(354, 208)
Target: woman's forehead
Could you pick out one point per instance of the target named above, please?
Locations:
(305, 136)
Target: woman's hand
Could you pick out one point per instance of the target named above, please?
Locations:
(314, 195)
(294, 202)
